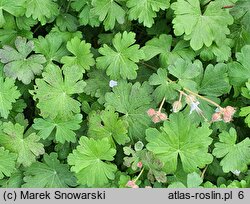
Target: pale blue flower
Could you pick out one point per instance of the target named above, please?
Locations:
(112, 83)
(194, 107)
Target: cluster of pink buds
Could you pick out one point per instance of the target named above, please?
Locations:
(156, 116)
(225, 114)
(132, 184)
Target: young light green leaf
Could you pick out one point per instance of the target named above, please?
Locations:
(52, 46)
(109, 12)
(234, 156)
(179, 137)
(162, 46)
(202, 28)
(8, 95)
(27, 148)
(107, 124)
(145, 10)
(121, 62)
(55, 89)
(186, 72)
(43, 11)
(8, 162)
(82, 59)
(15, 8)
(86, 14)
(66, 21)
(133, 101)
(165, 88)
(18, 63)
(48, 174)
(245, 112)
(184, 69)
(64, 128)
(91, 162)
(215, 81)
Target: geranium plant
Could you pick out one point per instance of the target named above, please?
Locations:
(124, 93)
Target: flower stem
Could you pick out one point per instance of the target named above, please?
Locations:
(228, 7)
(67, 9)
(163, 100)
(203, 98)
(148, 65)
(139, 175)
(203, 172)
(180, 97)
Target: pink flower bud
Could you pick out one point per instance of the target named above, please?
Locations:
(163, 116)
(130, 184)
(139, 164)
(227, 119)
(177, 105)
(135, 186)
(228, 113)
(216, 117)
(229, 110)
(151, 112)
(156, 119)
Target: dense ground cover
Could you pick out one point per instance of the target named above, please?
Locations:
(124, 93)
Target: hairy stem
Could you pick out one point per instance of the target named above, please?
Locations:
(139, 175)
(163, 100)
(148, 65)
(203, 172)
(203, 98)
(68, 6)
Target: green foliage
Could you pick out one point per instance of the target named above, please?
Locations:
(165, 88)
(18, 64)
(51, 46)
(193, 181)
(215, 81)
(42, 11)
(27, 148)
(133, 101)
(8, 161)
(202, 28)
(108, 12)
(48, 174)
(162, 46)
(55, 89)
(239, 70)
(122, 62)
(180, 138)
(64, 128)
(124, 93)
(82, 58)
(91, 162)
(86, 14)
(8, 95)
(107, 124)
(245, 111)
(97, 85)
(145, 10)
(235, 156)
(16, 8)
